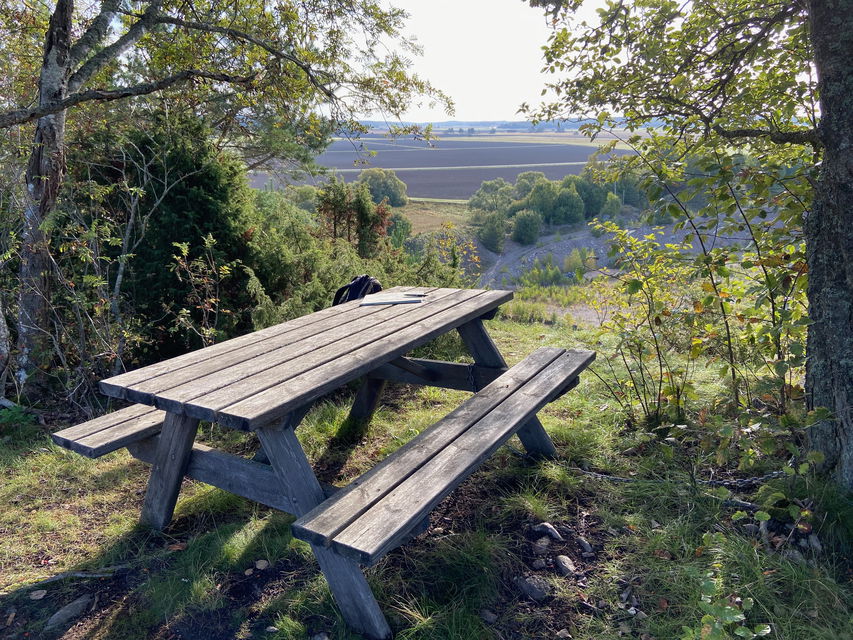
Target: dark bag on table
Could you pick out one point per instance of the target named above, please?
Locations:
(358, 288)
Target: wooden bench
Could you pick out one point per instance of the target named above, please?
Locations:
(112, 431)
(379, 510)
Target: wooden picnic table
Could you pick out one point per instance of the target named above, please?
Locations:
(267, 381)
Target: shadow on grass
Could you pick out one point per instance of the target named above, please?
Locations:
(339, 448)
(198, 579)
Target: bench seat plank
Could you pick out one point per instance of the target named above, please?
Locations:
(375, 513)
(112, 431)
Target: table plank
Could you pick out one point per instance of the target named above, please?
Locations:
(116, 386)
(220, 388)
(223, 369)
(333, 370)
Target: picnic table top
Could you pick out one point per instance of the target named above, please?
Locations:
(255, 379)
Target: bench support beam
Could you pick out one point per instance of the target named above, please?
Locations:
(485, 352)
(167, 470)
(366, 400)
(346, 581)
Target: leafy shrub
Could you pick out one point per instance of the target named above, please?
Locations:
(612, 206)
(526, 227)
(399, 229)
(493, 195)
(384, 183)
(493, 232)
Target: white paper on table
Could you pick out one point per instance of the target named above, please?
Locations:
(390, 298)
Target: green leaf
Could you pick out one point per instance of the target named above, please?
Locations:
(762, 516)
(762, 629)
(743, 632)
(633, 286)
(738, 515)
(815, 457)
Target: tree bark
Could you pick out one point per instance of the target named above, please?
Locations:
(829, 242)
(44, 178)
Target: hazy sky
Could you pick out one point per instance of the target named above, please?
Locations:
(485, 54)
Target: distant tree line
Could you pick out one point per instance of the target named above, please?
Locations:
(523, 208)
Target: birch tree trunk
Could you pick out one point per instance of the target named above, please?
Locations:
(44, 177)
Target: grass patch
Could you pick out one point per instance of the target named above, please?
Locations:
(430, 215)
(662, 544)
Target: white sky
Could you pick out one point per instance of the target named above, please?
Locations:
(485, 54)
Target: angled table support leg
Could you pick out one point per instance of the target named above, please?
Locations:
(485, 352)
(167, 471)
(346, 581)
(366, 400)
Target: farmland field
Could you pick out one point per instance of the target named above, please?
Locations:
(454, 167)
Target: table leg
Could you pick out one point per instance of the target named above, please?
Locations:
(346, 581)
(485, 352)
(167, 470)
(366, 400)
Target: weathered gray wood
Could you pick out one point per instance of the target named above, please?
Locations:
(318, 380)
(247, 478)
(257, 357)
(533, 436)
(352, 594)
(415, 367)
(111, 432)
(117, 385)
(322, 525)
(253, 375)
(447, 375)
(366, 400)
(167, 470)
(480, 344)
(347, 583)
(291, 421)
(383, 526)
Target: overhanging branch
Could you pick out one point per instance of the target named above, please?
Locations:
(21, 116)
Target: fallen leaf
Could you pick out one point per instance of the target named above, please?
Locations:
(261, 564)
(38, 595)
(662, 553)
(663, 604)
(177, 546)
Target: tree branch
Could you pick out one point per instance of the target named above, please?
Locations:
(807, 136)
(113, 51)
(20, 116)
(241, 35)
(96, 32)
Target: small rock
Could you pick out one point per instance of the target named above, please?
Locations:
(565, 566)
(539, 564)
(540, 547)
(632, 611)
(548, 529)
(271, 629)
(320, 636)
(642, 615)
(815, 543)
(586, 546)
(536, 588)
(438, 531)
(655, 524)
(564, 633)
(68, 612)
(260, 565)
(248, 572)
(587, 555)
(38, 595)
(793, 555)
(489, 617)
